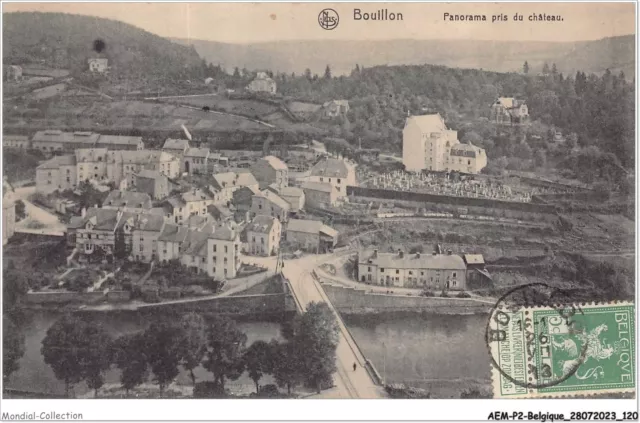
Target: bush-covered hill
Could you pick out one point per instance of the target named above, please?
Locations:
(66, 41)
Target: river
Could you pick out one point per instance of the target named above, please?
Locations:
(444, 354)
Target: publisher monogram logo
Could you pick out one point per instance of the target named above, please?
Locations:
(328, 19)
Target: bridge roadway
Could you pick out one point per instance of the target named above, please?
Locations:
(306, 289)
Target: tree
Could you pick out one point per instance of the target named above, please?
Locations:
(128, 354)
(316, 333)
(12, 348)
(540, 158)
(525, 67)
(554, 69)
(14, 286)
(226, 344)
(545, 68)
(162, 349)
(194, 342)
(327, 72)
(62, 349)
(259, 360)
(287, 369)
(96, 356)
(20, 210)
(120, 248)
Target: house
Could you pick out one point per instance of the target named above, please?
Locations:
(146, 231)
(196, 201)
(225, 184)
(263, 235)
(12, 73)
(153, 183)
(336, 172)
(509, 110)
(242, 198)
(262, 84)
(294, 196)
(119, 142)
(177, 147)
(311, 235)
(268, 203)
(196, 160)
(170, 240)
(270, 170)
(8, 212)
(194, 249)
(223, 252)
(125, 165)
(431, 271)
(175, 209)
(16, 141)
(208, 81)
(100, 228)
(98, 64)
(127, 200)
(427, 144)
(53, 140)
(220, 213)
(335, 108)
(91, 164)
(319, 194)
(477, 274)
(57, 174)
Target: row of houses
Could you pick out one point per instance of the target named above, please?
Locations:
(436, 271)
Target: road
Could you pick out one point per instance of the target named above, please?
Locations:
(348, 383)
(51, 223)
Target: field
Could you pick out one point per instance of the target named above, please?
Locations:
(250, 108)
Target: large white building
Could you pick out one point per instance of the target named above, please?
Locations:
(427, 144)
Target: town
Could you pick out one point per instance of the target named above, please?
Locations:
(282, 218)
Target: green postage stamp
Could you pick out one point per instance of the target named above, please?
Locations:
(555, 351)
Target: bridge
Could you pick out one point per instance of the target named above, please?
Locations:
(364, 382)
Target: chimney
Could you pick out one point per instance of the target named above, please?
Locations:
(83, 212)
(435, 253)
(400, 253)
(417, 255)
(449, 252)
(375, 253)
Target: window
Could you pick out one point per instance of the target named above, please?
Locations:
(215, 248)
(321, 179)
(421, 273)
(225, 272)
(410, 272)
(225, 260)
(339, 180)
(226, 249)
(369, 269)
(260, 206)
(454, 274)
(253, 239)
(397, 272)
(382, 269)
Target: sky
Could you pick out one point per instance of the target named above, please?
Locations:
(264, 22)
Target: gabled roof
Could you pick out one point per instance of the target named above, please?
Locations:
(150, 174)
(57, 161)
(173, 233)
(261, 224)
(330, 167)
(413, 261)
(118, 140)
(275, 162)
(428, 123)
(103, 219)
(54, 135)
(224, 233)
(196, 195)
(136, 200)
(245, 193)
(465, 150)
(175, 202)
(474, 258)
(219, 211)
(194, 242)
(310, 227)
(149, 222)
(233, 179)
(197, 152)
(174, 144)
(275, 199)
(318, 186)
(143, 157)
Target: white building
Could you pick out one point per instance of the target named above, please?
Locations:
(336, 172)
(427, 144)
(263, 84)
(98, 64)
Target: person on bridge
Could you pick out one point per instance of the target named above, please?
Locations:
(354, 367)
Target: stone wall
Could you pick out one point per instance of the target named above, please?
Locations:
(65, 297)
(357, 301)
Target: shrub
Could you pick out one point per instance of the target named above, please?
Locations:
(463, 294)
(208, 390)
(444, 294)
(427, 293)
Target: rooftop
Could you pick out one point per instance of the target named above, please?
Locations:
(414, 261)
(330, 167)
(291, 192)
(428, 123)
(197, 152)
(173, 233)
(261, 224)
(474, 258)
(233, 179)
(275, 199)
(310, 227)
(84, 155)
(275, 162)
(119, 140)
(57, 161)
(318, 186)
(129, 199)
(149, 222)
(150, 174)
(174, 144)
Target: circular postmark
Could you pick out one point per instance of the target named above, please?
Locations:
(328, 19)
(535, 338)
